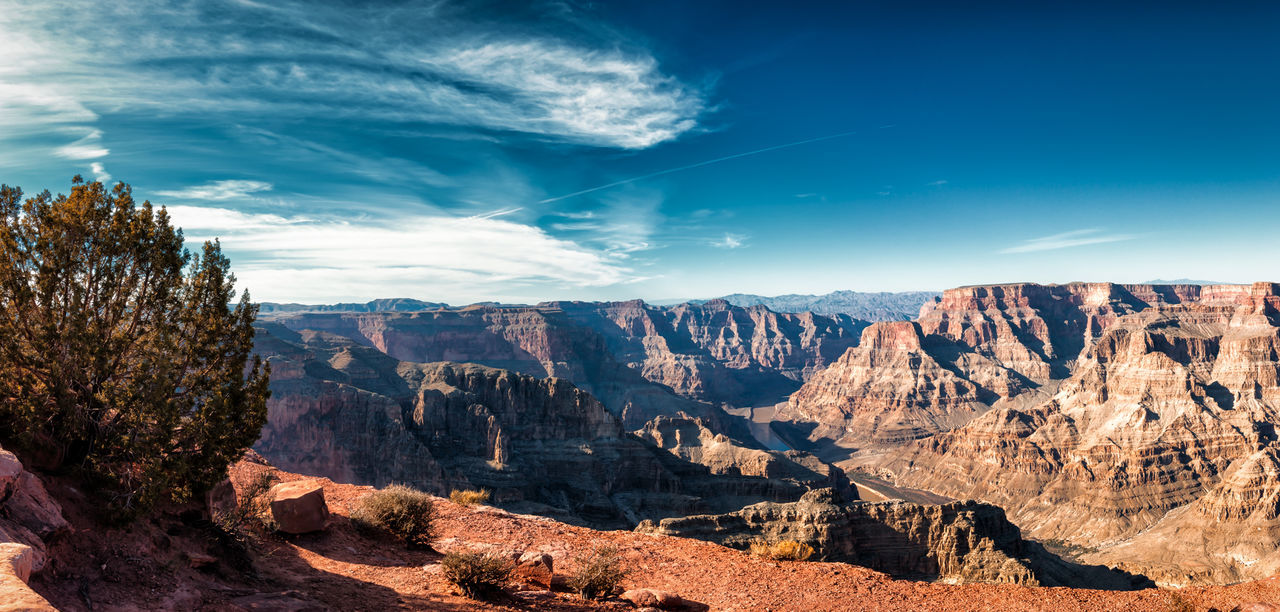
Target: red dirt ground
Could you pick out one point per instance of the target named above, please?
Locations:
(145, 568)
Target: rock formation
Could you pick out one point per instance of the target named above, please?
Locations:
(541, 342)
(899, 385)
(971, 349)
(352, 413)
(641, 361)
(1158, 451)
(959, 542)
(716, 351)
(28, 519)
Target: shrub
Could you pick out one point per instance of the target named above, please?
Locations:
(404, 513)
(468, 497)
(597, 574)
(782, 550)
(251, 509)
(478, 575)
(122, 354)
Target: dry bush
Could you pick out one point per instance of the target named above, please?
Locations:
(597, 574)
(403, 512)
(251, 509)
(782, 550)
(468, 497)
(478, 575)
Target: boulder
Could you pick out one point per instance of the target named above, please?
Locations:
(299, 506)
(17, 559)
(10, 469)
(30, 506)
(536, 568)
(653, 598)
(15, 569)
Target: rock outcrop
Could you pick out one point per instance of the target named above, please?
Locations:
(28, 519)
(1159, 451)
(352, 413)
(959, 542)
(690, 439)
(298, 506)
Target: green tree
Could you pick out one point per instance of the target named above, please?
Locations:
(120, 353)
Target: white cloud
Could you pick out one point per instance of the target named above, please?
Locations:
(457, 258)
(87, 147)
(100, 173)
(730, 241)
(217, 191)
(410, 65)
(1065, 240)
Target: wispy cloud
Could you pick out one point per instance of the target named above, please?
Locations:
(730, 241)
(937, 183)
(413, 64)
(100, 172)
(217, 191)
(87, 147)
(1066, 240)
(455, 258)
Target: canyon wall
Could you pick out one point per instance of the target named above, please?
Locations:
(960, 542)
(352, 413)
(1155, 452)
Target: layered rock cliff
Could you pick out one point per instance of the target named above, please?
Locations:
(1165, 429)
(352, 413)
(715, 351)
(898, 385)
(959, 542)
(971, 349)
(541, 342)
(641, 361)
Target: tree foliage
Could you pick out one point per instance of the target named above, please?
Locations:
(120, 352)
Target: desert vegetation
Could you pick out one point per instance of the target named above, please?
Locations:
(469, 497)
(597, 573)
(782, 550)
(478, 575)
(402, 512)
(121, 355)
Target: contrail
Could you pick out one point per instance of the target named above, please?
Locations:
(697, 165)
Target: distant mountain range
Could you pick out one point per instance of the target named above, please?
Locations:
(881, 306)
(382, 305)
(1183, 281)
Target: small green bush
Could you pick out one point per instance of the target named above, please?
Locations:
(404, 513)
(597, 574)
(478, 575)
(468, 497)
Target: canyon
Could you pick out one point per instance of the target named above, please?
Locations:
(1130, 426)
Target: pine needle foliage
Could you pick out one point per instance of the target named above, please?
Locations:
(120, 353)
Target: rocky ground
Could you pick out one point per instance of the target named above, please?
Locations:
(150, 567)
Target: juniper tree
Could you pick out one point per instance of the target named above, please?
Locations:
(120, 352)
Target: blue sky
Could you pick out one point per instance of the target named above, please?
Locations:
(563, 150)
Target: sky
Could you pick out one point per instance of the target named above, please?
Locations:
(526, 151)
